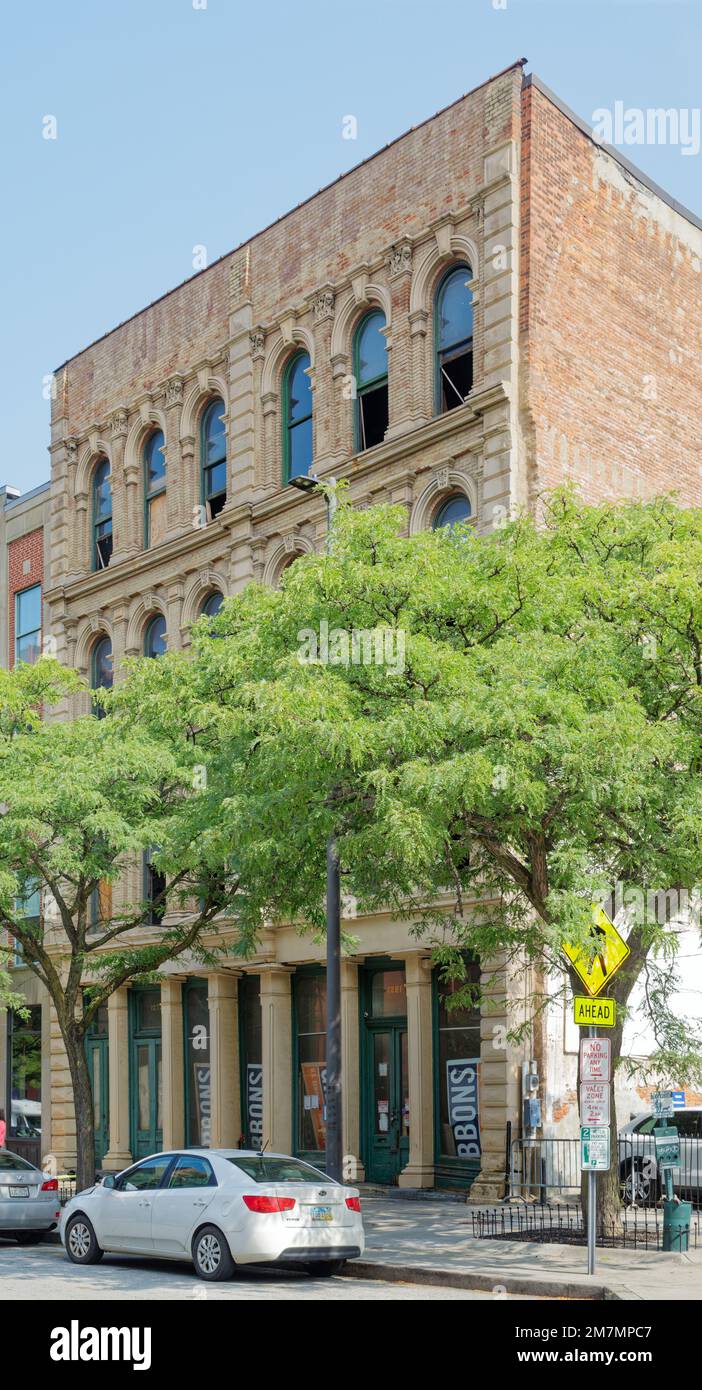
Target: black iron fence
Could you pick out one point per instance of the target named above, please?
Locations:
(543, 1169)
(637, 1228)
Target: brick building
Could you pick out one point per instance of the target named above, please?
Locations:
(492, 302)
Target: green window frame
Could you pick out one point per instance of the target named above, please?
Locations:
(298, 440)
(371, 391)
(101, 491)
(450, 1170)
(458, 350)
(213, 458)
(154, 477)
(28, 624)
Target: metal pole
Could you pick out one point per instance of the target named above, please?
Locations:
(334, 1136)
(591, 1203)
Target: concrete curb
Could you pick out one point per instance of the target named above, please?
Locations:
(469, 1279)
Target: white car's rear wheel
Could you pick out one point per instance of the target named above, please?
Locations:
(81, 1243)
(211, 1255)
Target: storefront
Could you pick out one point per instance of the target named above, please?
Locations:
(97, 1053)
(251, 1061)
(197, 1059)
(456, 1085)
(23, 1099)
(385, 1092)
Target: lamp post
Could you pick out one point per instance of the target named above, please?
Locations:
(334, 1139)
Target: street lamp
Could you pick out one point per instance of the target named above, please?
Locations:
(308, 482)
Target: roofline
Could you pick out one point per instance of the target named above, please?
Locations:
(531, 80)
(11, 502)
(520, 62)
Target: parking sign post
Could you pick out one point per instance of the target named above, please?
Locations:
(591, 1202)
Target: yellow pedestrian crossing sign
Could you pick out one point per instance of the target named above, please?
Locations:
(596, 964)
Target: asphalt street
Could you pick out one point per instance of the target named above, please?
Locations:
(43, 1272)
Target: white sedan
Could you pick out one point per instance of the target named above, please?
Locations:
(220, 1208)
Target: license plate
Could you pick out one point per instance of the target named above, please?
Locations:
(19, 1191)
(321, 1214)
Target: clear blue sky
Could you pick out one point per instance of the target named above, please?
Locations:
(180, 126)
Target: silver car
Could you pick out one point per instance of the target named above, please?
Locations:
(218, 1208)
(29, 1200)
(638, 1169)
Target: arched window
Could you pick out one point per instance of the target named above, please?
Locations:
(213, 455)
(297, 417)
(453, 336)
(102, 515)
(155, 637)
(370, 369)
(455, 511)
(154, 488)
(101, 672)
(212, 605)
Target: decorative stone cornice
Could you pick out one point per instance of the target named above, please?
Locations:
(400, 259)
(323, 304)
(118, 423)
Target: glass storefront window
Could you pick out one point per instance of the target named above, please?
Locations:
(311, 1024)
(149, 1011)
(459, 1071)
(197, 1064)
(251, 1059)
(25, 1075)
(388, 994)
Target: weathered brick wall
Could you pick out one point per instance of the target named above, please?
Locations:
(611, 329)
(434, 169)
(25, 566)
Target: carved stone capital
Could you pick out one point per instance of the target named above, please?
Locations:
(174, 391)
(257, 340)
(323, 305)
(118, 423)
(400, 259)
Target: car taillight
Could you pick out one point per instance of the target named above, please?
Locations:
(353, 1203)
(51, 1185)
(269, 1204)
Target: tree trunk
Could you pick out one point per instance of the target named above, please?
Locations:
(83, 1107)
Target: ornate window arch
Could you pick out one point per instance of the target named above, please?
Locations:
(370, 372)
(446, 483)
(155, 636)
(297, 416)
(101, 513)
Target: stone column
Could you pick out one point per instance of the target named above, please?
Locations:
(419, 1171)
(119, 1154)
(176, 495)
(350, 1073)
(223, 1003)
(401, 405)
(173, 1092)
(324, 404)
(276, 1021)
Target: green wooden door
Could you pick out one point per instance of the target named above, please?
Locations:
(97, 1052)
(145, 1072)
(386, 1102)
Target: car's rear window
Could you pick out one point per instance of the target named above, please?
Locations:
(11, 1161)
(264, 1169)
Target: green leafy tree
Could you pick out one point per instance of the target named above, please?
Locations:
(517, 726)
(79, 801)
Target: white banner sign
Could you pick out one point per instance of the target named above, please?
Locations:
(594, 1103)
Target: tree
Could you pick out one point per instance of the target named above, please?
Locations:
(514, 717)
(80, 800)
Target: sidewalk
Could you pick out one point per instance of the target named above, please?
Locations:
(432, 1242)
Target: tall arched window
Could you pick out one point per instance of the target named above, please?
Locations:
(213, 454)
(101, 672)
(453, 337)
(154, 488)
(370, 369)
(454, 511)
(155, 637)
(297, 417)
(102, 515)
(212, 605)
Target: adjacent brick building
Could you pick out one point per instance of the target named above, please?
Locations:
(492, 302)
